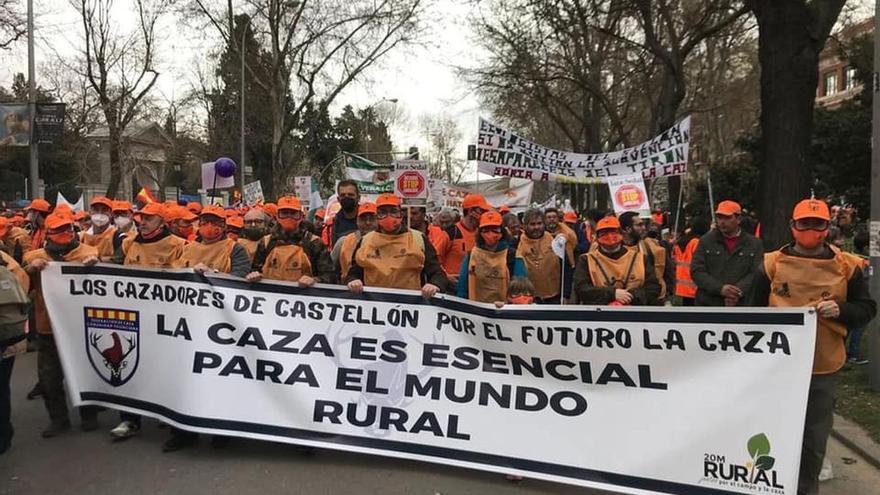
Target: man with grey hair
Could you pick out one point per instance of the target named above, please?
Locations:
(256, 226)
(543, 266)
(446, 218)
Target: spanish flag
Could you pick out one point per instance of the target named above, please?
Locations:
(146, 197)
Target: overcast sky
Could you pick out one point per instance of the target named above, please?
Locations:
(423, 80)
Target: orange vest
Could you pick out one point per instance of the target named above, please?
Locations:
(249, 246)
(160, 254)
(38, 237)
(488, 275)
(797, 282)
(81, 252)
(684, 284)
(393, 261)
(102, 241)
(659, 254)
(17, 236)
(440, 240)
(454, 255)
(16, 270)
(287, 262)
(626, 272)
(217, 255)
(346, 251)
(542, 265)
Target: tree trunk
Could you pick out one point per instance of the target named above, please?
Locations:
(115, 162)
(672, 93)
(791, 35)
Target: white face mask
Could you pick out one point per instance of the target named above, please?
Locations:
(122, 222)
(100, 219)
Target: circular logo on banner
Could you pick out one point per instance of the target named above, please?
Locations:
(410, 184)
(630, 197)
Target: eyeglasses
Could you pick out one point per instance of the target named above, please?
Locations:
(254, 222)
(811, 224)
(389, 213)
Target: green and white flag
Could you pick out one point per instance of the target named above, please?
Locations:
(371, 177)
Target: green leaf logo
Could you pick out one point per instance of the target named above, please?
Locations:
(759, 445)
(765, 463)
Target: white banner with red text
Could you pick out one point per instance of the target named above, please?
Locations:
(633, 400)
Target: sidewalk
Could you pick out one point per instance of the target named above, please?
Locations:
(856, 439)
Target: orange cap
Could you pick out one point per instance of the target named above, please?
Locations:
(289, 203)
(175, 212)
(504, 209)
(213, 210)
(4, 225)
(570, 216)
(40, 205)
(56, 221)
(194, 207)
(387, 199)
(18, 220)
(157, 209)
(474, 200)
(365, 208)
(608, 223)
(121, 205)
(728, 208)
(811, 208)
(79, 216)
(271, 209)
(320, 213)
(235, 221)
(64, 209)
(490, 219)
(101, 200)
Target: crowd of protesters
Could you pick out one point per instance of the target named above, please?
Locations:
(483, 252)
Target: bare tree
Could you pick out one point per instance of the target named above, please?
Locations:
(444, 135)
(316, 49)
(12, 23)
(119, 67)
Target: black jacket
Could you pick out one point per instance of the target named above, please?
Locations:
(713, 267)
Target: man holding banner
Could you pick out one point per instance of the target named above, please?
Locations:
(487, 270)
(614, 274)
(394, 256)
(811, 273)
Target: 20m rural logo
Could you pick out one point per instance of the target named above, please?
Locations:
(756, 473)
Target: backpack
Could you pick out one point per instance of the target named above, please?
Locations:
(13, 308)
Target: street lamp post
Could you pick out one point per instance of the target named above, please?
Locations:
(241, 52)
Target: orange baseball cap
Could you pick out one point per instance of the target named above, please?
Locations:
(121, 205)
(176, 212)
(474, 200)
(387, 199)
(490, 219)
(235, 221)
(320, 213)
(504, 209)
(40, 205)
(64, 209)
(155, 209)
(194, 207)
(289, 203)
(608, 223)
(4, 225)
(213, 210)
(56, 221)
(271, 209)
(728, 208)
(101, 200)
(79, 216)
(811, 208)
(365, 208)
(570, 216)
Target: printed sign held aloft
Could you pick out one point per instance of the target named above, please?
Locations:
(253, 193)
(411, 181)
(628, 193)
(501, 152)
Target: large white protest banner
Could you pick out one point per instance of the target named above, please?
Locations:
(517, 197)
(501, 152)
(634, 400)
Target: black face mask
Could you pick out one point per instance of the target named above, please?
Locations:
(348, 204)
(253, 234)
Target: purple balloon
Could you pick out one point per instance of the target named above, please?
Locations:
(224, 167)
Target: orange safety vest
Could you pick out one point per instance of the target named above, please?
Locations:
(287, 262)
(626, 272)
(38, 238)
(488, 275)
(102, 241)
(81, 252)
(459, 245)
(163, 253)
(346, 251)
(249, 246)
(542, 264)
(17, 236)
(684, 284)
(217, 255)
(393, 261)
(797, 282)
(440, 240)
(659, 254)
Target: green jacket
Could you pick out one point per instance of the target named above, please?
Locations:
(713, 267)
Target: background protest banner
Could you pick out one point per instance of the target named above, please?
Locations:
(212, 180)
(253, 193)
(517, 196)
(628, 193)
(16, 129)
(636, 400)
(372, 178)
(501, 152)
